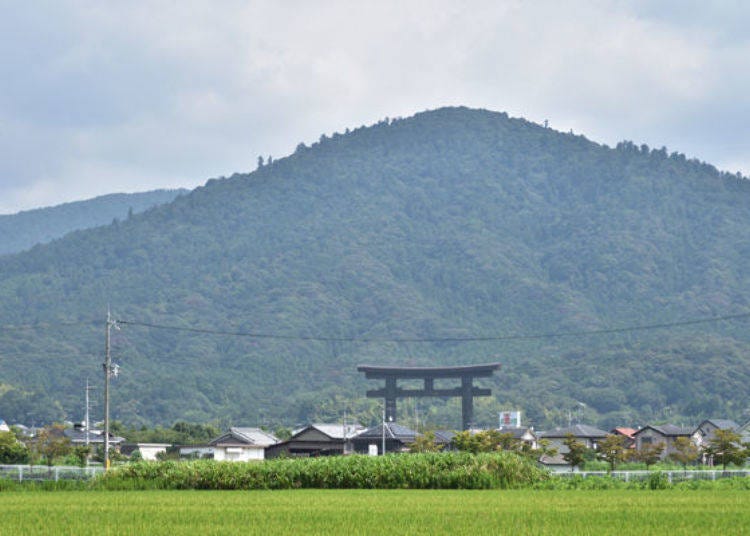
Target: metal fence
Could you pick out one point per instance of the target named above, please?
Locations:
(23, 473)
(672, 476)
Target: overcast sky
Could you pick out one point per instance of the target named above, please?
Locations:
(99, 97)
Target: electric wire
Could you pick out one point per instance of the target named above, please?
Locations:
(490, 338)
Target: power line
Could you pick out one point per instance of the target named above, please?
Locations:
(46, 325)
(559, 334)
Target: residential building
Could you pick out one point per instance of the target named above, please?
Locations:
(665, 434)
(590, 436)
(148, 451)
(397, 439)
(706, 430)
(242, 444)
(521, 433)
(627, 433)
(317, 440)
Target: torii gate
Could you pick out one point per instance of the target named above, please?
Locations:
(467, 391)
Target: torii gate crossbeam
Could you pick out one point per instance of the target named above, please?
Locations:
(467, 391)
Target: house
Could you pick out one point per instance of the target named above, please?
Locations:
(242, 444)
(397, 439)
(744, 432)
(706, 430)
(317, 440)
(444, 438)
(590, 436)
(80, 436)
(4, 426)
(148, 451)
(195, 451)
(663, 433)
(627, 433)
(521, 433)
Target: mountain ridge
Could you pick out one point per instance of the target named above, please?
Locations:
(27, 228)
(454, 221)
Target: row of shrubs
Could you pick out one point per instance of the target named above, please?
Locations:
(453, 470)
(656, 480)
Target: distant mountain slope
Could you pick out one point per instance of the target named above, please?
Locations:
(25, 229)
(453, 223)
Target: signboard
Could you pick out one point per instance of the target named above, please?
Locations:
(510, 418)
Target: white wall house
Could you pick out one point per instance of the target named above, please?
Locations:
(242, 444)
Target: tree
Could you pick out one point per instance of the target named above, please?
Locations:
(425, 443)
(684, 452)
(81, 454)
(51, 444)
(649, 453)
(576, 451)
(12, 450)
(612, 450)
(726, 448)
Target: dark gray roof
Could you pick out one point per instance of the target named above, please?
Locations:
(670, 430)
(724, 424)
(516, 431)
(578, 430)
(78, 436)
(392, 431)
(444, 436)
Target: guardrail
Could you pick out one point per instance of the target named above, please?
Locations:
(23, 473)
(672, 476)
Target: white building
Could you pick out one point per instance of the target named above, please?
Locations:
(242, 444)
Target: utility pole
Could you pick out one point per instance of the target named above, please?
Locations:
(86, 418)
(107, 374)
(383, 449)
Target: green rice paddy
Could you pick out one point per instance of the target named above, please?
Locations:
(373, 512)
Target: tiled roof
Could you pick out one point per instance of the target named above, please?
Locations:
(578, 430)
(246, 436)
(516, 431)
(670, 430)
(392, 431)
(623, 430)
(724, 424)
(444, 436)
(336, 431)
(77, 435)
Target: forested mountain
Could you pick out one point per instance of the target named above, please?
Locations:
(25, 229)
(386, 241)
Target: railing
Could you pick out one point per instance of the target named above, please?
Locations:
(672, 476)
(23, 473)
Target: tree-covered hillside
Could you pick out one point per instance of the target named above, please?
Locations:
(451, 224)
(23, 230)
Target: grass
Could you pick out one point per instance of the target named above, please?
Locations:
(450, 470)
(454, 512)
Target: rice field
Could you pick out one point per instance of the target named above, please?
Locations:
(375, 512)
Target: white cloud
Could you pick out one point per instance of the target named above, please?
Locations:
(147, 94)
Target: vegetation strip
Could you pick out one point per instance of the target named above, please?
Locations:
(455, 470)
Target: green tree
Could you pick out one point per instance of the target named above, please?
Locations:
(11, 450)
(81, 454)
(684, 452)
(612, 450)
(576, 451)
(425, 443)
(726, 448)
(51, 444)
(649, 453)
